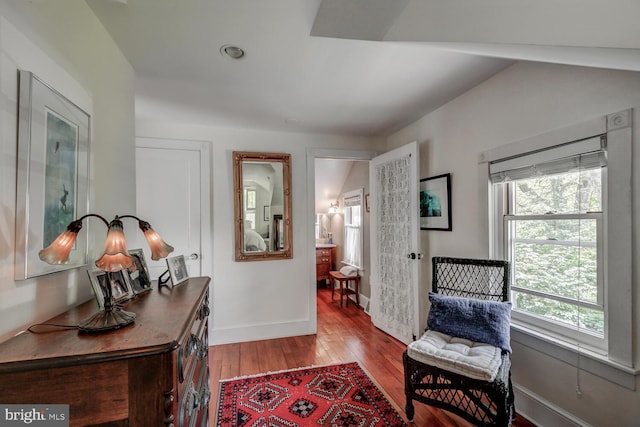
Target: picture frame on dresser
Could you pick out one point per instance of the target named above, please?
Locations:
(118, 280)
(177, 269)
(139, 276)
(53, 179)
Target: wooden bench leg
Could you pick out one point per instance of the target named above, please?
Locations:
(357, 290)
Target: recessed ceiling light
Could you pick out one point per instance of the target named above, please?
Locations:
(233, 52)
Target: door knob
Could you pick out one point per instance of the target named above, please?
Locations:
(412, 255)
(193, 256)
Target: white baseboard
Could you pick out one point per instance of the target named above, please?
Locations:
(541, 412)
(364, 303)
(260, 332)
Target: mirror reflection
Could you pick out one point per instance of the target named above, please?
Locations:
(263, 206)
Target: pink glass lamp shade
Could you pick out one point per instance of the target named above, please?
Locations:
(116, 256)
(58, 251)
(159, 248)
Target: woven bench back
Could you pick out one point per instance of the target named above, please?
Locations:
(471, 278)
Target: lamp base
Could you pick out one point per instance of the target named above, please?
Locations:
(106, 320)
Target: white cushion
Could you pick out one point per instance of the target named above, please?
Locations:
(472, 359)
(348, 270)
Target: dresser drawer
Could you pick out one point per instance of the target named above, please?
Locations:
(323, 253)
(323, 259)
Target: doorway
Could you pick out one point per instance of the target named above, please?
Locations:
(395, 271)
(336, 223)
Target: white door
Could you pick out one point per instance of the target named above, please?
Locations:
(172, 187)
(395, 242)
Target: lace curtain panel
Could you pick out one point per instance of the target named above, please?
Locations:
(352, 249)
(392, 305)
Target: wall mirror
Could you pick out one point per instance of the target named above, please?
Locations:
(262, 203)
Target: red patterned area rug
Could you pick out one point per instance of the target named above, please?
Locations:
(337, 395)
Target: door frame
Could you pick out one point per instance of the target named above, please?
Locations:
(204, 148)
(312, 155)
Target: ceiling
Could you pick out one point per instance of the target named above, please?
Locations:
(353, 67)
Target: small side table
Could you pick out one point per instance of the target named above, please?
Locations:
(344, 290)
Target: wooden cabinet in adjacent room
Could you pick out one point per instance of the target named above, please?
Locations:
(324, 262)
(152, 373)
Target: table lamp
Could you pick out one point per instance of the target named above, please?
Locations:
(115, 258)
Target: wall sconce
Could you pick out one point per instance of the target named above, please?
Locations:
(115, 258)
(333, 208)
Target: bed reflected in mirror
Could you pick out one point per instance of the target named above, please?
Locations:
(262, 206)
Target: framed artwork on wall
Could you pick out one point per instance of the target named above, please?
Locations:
(435, 203)
(52, 181)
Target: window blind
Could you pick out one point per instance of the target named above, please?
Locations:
(585, 154)
(353, 201)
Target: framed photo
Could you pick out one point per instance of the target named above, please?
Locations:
(435, 203)
(139, 277)
(267, 213)
(118, 281)
(177, 269)
(52, 181)
(367, 207)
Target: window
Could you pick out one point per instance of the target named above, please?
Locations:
(250, 207)
(317, 226)
(552, 210)
(353, 238)
(250, 197)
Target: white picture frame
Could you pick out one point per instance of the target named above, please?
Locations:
(53, 175)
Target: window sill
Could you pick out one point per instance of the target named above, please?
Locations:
(588, 361)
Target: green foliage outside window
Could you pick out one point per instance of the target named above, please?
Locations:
(558, 256)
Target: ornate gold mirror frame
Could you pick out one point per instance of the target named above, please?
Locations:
(262, 206)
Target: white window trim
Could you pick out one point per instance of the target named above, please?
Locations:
(618, 241)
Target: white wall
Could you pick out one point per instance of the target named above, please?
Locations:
(63, 43)
(527, 99)
(261, 299)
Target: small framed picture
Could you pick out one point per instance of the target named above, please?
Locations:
(435, 203)
(118, 282)
(139, 277)
(177, 269)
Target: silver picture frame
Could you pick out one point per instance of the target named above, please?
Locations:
(177, 269)
(53, 175)
(119, 282)
(139, 277)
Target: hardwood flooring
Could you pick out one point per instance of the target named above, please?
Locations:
(344, 335)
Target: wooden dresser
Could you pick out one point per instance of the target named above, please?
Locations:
(152, 373)
(324, 262)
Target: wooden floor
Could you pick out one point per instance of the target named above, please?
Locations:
(344, 335)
